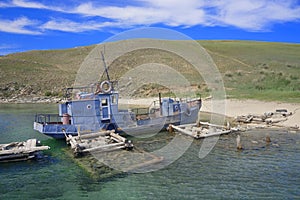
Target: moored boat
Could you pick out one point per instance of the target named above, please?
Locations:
(96, 107)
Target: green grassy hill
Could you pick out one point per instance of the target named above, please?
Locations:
(41, 73)
(257, 70)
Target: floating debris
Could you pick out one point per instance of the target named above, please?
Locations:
(267, 119)
(18, 151)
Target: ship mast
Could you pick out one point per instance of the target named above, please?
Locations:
(105, 67)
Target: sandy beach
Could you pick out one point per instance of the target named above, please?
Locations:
(234, 108)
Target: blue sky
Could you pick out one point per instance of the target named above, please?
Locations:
(56, 24)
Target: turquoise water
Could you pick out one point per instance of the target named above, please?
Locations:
(260, 171)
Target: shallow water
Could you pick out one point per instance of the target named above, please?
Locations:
(259, 171)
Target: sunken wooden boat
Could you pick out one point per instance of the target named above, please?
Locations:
(18, 151)
(202, 129)
(102, 141)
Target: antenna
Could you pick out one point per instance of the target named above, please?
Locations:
(106, 71)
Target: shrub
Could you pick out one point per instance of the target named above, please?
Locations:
(48, 93)
(228, 74)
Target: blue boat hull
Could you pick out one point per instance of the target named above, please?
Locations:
(91, 111)
(142, 127)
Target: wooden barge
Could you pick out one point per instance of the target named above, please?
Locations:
(202, 130)
(18, 151)
(101, 141)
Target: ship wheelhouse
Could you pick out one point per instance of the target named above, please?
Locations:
(85, 109)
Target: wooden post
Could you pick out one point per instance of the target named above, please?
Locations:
(78, 131)
(198, 122)
(160, 103)
(268, 139)
(170, 128)
(238, 142)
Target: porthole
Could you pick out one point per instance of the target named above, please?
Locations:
(89, 106)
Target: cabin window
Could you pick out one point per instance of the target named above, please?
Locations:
(113, 99)
(89, 106)
(104, 102)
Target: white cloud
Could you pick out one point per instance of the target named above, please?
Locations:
(28, 4)
(71, 26)
(23, 4)
(3, 5)
(255, 15)
(176, 14)
(21, 25)
(250, 15)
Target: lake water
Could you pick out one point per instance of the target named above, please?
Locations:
(259, 171)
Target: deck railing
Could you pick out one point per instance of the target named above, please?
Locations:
(71, 92)
(48, 118)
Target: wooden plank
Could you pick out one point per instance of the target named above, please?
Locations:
(109, 149)
(72, 141)
(31, 143)
(11, 151)
(275, 120)
(94, 135)
(103, 147)
(39, 148)
(117, 137)
(214, 134)
(187, 125)
(15, 157)
(212, 125)
(24, 148)
(181, 130)
(5, 146)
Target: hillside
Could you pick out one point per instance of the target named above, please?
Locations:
(257, 70)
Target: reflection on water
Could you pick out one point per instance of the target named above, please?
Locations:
(16, 121)
(261, 170)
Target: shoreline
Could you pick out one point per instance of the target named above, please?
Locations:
(236, 107)
(233, 107)
(31, 100)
